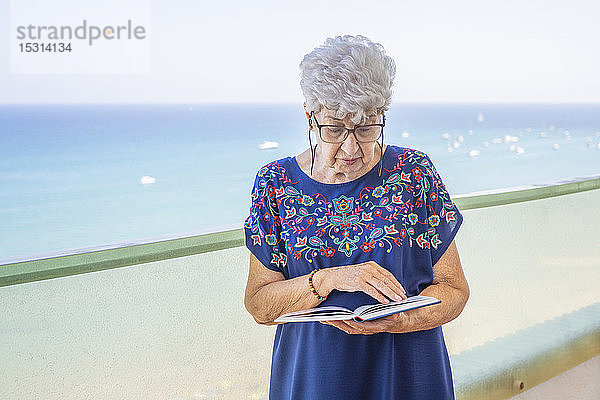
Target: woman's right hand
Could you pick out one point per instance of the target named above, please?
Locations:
(368, 277)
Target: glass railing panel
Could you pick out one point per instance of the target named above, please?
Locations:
(526, 263)
(174, 329)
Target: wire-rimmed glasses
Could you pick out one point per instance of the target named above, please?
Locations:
(367, 133)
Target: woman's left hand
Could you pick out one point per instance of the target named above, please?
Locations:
(391, 323)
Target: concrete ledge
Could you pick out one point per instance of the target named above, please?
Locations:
(490, 198)
(509, 365)
(35, 270)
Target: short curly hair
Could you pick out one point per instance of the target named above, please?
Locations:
(348, 74)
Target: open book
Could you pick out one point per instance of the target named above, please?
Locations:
(360, 314)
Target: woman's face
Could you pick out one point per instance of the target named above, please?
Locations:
(349, 158)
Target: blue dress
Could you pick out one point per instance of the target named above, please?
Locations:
(404, 220)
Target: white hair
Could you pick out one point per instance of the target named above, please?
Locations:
(348, 74)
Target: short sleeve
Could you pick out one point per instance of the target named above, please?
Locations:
(262, 228)
(443, 217)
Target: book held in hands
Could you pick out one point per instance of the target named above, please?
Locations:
(360, 314)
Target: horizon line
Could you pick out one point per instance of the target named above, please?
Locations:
(549, 102)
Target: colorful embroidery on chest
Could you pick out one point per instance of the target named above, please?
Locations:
(390, 214)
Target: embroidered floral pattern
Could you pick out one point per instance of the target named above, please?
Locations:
(406, 208)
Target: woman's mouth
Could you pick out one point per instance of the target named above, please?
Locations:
(349, 161)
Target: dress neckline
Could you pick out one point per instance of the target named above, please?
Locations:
(308, 177)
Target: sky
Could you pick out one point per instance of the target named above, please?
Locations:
(242, 51)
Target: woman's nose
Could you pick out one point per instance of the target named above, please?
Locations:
(350, 145)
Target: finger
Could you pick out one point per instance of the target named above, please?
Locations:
(385, 286)
(352, 327)
(392, 281)
(374, 292)
(366, 327)
(386, 290)
(389, 279)
(396, 287)
(344, 327)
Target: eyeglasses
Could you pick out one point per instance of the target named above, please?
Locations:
(337, 133)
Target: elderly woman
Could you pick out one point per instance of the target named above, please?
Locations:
(351, 221)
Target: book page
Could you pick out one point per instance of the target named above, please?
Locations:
(374, 311)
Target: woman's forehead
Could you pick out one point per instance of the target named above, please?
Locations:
(331, 115)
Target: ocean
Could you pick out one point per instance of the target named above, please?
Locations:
(70, 175)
